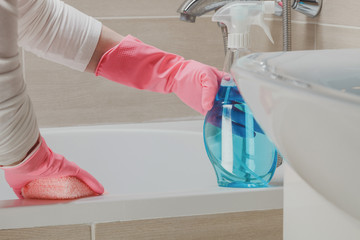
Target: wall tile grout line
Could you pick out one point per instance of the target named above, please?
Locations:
(317, 23)
(204, 16)
(145, 17)
(92, 228)
(315, 37)
(339, 26)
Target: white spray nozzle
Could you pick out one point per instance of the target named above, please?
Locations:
(238, 18)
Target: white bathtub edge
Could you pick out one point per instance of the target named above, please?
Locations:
(127, 208)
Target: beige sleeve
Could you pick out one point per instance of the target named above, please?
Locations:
(18, 127)
(57, 32)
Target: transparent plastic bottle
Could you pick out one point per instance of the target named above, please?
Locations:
(240, 152)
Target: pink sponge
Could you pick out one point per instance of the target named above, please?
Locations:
(56, 188)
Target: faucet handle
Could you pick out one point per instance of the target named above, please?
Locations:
(310, 8)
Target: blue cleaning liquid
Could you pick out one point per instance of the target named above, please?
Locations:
(240, 152)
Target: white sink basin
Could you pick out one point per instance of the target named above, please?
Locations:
(308, 102)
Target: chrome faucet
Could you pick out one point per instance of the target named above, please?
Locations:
(190, 9)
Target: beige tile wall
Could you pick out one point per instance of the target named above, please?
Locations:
(253, 225)
(338, 25)
(68, 232)
(63, 97)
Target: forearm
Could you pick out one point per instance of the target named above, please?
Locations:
(108, 39)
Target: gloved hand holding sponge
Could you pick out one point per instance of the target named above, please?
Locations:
(47, 175)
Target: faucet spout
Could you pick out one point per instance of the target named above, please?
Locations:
(190, 9)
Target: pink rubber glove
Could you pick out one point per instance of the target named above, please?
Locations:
(141, 66)
(44, 164)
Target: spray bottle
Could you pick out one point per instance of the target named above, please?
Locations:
(237, 147)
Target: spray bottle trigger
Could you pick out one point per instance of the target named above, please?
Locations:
(260, 22)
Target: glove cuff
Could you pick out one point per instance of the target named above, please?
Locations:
(34, 160)
(138, 65)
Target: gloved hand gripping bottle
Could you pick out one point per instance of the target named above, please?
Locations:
(240, 152)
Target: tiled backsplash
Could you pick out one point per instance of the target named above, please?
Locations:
(64, 97)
